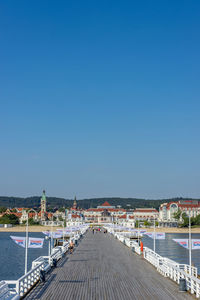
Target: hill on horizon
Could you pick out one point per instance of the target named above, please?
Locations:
(54, 202)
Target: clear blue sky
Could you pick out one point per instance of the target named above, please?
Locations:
(100, 98)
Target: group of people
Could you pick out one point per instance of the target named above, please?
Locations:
(99, 230)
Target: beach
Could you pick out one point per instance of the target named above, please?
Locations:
(45, 228)
(30, 228)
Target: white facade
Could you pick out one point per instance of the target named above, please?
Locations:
(145, 213)
(167, 210)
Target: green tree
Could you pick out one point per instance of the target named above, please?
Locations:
(137, 223)
(31, 221)
(185, 220)
(146, 223)
(2, 209)
(61, 209)
(9, 219)
(197, 220)
(177, 215)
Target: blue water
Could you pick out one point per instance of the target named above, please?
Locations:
(12, 255)
(168, 248)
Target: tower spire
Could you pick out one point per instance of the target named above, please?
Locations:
(43, 206)
(75, 203)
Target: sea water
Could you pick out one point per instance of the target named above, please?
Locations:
(170, 249)
(12, 255)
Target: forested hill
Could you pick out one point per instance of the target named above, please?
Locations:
(53, 202)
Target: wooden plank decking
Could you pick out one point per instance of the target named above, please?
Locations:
(102, 268)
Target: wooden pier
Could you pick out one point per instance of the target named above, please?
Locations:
(102, 268)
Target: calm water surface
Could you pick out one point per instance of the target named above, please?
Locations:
(12, 255)
(168, 248)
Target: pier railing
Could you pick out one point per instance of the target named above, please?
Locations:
(19, 288)
(164, 265)
(26, 282)
(6, 293)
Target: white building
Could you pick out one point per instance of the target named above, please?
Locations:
(148, 214)
(167, 210)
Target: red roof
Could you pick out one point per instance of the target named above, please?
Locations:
(122, 217)
(31, 214)
(105, 204)
(187, 204)
(18, 214)
(75, 216)
(145, 210)
(12, 213)
(109, 209)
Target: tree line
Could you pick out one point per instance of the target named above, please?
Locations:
(54, 203)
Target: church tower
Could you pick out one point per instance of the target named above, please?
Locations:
(74, 204)
(43, 206)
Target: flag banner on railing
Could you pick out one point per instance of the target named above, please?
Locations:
(35, 242)
(56, 235)
(53, 234)
(150, 234)
(195, 244)
(158, 236)
(46, 233)
(142, 231)
(18, 240)
(182, 242)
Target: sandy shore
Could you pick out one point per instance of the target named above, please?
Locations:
(30, 229)
(175, 230)
(44, 228)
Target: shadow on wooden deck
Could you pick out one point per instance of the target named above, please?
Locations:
(102, 268)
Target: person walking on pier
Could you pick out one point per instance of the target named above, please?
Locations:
(71, 247)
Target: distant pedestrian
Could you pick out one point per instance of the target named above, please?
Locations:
(71, 247)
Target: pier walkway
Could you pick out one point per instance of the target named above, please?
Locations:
(102, 268)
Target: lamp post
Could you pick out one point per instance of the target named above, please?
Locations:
(154, 235)
(51, 234)
(63, 232)
(190, 246)
(49, 250)
(189, 240)
(138, 229)
(26, 244)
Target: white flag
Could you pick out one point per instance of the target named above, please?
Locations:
(150, 234)
(195, 244)
(35, 242)
(19, 240)
(182, 242)
(158, 236)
